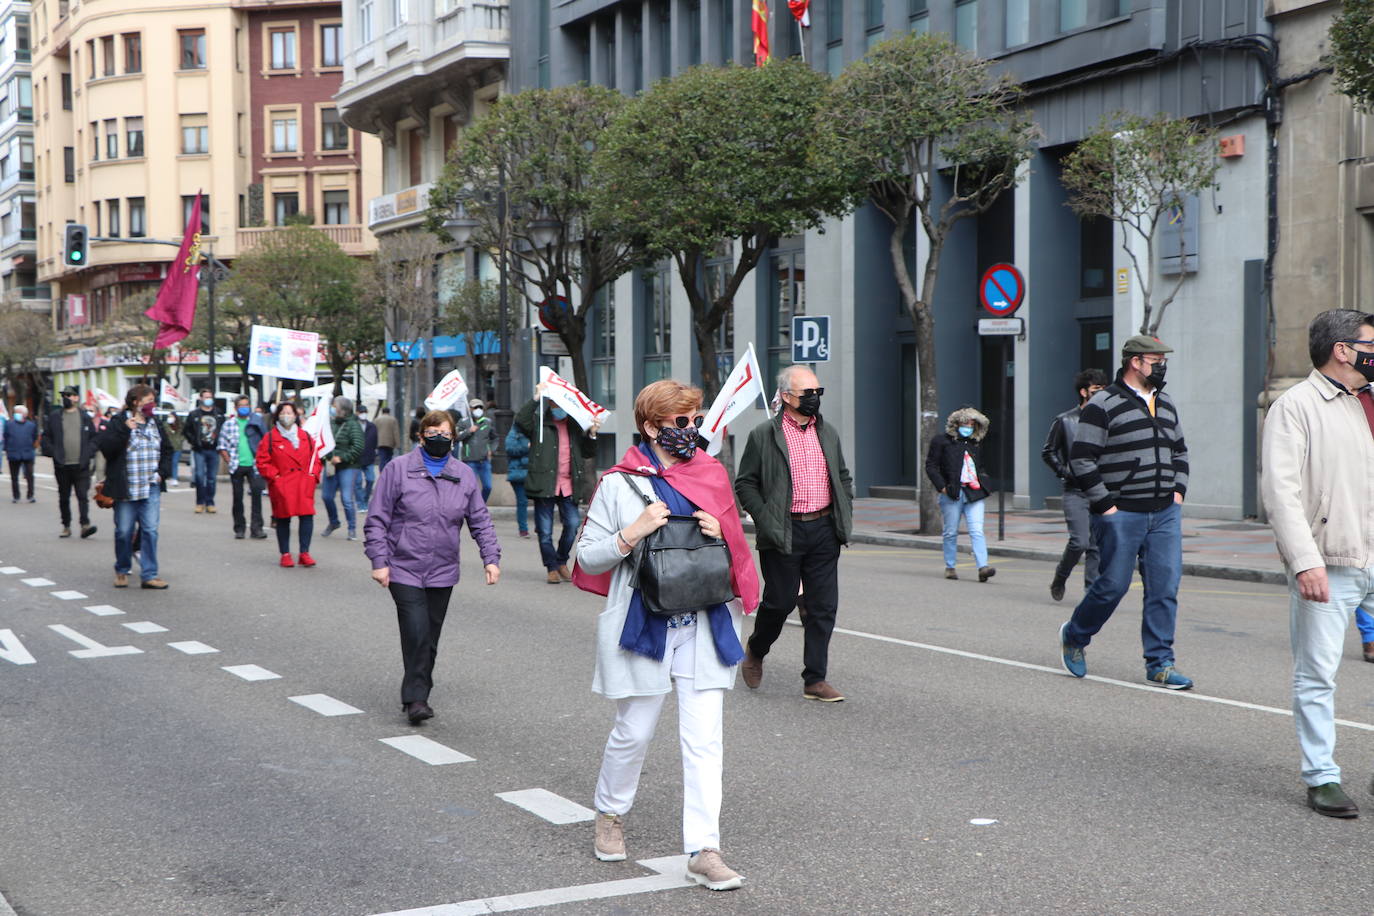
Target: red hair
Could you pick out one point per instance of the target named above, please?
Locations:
(663, 399)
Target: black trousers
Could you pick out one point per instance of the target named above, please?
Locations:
(238, 476)
(24, 467)
(283, 525)
(73, 477)
(814, 563)
(420, 613)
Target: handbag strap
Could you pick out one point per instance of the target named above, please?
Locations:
(631, 478)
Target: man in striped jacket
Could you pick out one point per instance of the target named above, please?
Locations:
(1130, 459)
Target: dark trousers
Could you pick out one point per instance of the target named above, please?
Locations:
(543, 526)
(283, 525)
(237, 477)
(420, 613)
(1081, 541)
(73, 477)
(17, 467)
(813, 563)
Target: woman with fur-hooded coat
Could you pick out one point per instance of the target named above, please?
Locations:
(954, 465)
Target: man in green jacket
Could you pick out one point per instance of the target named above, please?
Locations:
(793, 481)
(557, 479)
(342, 475)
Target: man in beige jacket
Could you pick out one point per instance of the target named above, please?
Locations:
(1319, 492)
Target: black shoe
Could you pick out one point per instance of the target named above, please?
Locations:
(1329, 799)
(418, 711)
(88, 530)
(986, 572)
(238, 535)
(329, 529)
(1057, 588)
(257, 535)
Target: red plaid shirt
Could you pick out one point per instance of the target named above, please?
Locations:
(810, 476)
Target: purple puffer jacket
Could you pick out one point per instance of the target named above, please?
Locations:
(414, 522)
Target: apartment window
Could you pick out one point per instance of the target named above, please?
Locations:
(725, 18)
(336, 208)
(450, 135)
(112, 138)
(238, 132)
(69, 164)
(192, 42)
(1073, 14)
(138, 218)
(95, 208)
(873, 22)
(112, 208)
(834, 37)
(133, 142)
(283, 48)
(333, 131)
(693, 13)
(657, 315)
(636, 21)
(187, 202)
(195, 134)
(966, 25)
(25, 159)
(1096, 250)
(365, 21)
(665, 39)
(284, 133)
(107, 55)
(603, 347)
(133, 52)
(90, 57)
(416, 149)
(1018, 23)
(66, 80)
(786, 297)
(21, 40)
(95, 140)
(331, 39)
(398, 12)
(22, 91)
(285, 206)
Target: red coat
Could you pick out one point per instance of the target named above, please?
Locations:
(287, 470)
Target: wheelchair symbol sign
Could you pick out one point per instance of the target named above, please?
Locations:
(810, 338)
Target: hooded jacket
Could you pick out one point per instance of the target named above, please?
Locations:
(945, 457)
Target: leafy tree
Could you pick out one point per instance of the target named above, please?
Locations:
(1352, 52)
(712, 156)
(1136, 171)
(474, 311)
(399, 283)
(539, 146)
(25, 337)
(914, 110)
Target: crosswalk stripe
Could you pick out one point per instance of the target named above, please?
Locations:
(551, 807)
(422, 748)
(251, 672)
(67, 595)
(145, 626)
(191, 647)
(325, 705)
(104, 610)
(38, 582)
(11, 571)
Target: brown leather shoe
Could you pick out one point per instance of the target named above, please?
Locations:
(1369, 651)
(121, 580)
(951, 573)
(564, 574)
(154, 583)
(823, 692)
(986, 572)
(554, 578)
(751, 669)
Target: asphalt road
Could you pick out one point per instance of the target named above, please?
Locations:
(156, 782)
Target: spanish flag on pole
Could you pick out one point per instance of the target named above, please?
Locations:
(760, 23)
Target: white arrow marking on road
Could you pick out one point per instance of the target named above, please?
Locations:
(145, 626)
(104, 610)
(11, 570)
(551, 807)
(251, 672)
(67, 595)
(38, 582)
(422, 748)
(93, 649)
(671, 873)
(12, 650)
(325, 705)
(191, 647)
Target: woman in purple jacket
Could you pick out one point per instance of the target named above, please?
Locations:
(412, 535)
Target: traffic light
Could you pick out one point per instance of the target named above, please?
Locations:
(74, 249)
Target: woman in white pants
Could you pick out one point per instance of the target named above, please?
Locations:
(641, 656)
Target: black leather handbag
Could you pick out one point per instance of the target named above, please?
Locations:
(679, 569)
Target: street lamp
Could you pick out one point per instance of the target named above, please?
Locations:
(544, 228)
(461, 225)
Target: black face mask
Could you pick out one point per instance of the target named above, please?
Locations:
(68, 402)
(1364, 364)
(1156, 374)
(808, 405)
(437, 446)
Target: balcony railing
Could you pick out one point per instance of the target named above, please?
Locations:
(352, 239)
(474, 20)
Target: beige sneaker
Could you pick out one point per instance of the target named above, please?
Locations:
(610, 837)
(709, 869)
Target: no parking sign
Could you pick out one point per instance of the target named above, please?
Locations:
(1002, 289)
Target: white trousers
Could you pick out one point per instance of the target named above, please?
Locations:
(701, 721)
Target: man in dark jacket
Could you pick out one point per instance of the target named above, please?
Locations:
(202, 437)
(476, 451)
(21, 444)
(1056, 454)
(342, 478)
(556, 479)
(794, 483)
(69, 440)
(367, 461)
(138, 462)
(238, 448)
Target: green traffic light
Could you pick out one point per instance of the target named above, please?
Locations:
(76, 255)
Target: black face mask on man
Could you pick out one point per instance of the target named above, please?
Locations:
(1363, 364)
(437, 446)
(1156, 373)
(808, 405)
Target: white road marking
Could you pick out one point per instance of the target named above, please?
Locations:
(12, 650)
(145, 626)
(191, 647)
(11, 571)
(67, 595)
(671, 872)
(251, 672)
(422, 748)
(93, 649)
(104, 610)
(325, 705)
(553, 808)
(38, 582)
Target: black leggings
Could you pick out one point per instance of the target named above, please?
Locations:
(284, 532)
(420, 613)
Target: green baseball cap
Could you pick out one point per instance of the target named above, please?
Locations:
(1144, 343)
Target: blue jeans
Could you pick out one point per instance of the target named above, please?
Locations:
(345, 483)
(1156, 540)
(483, 471)
(384, 456)
(204, 471)
(145, 512)
(176, 465)
(362, 490)
(972, 512)
(1365, 623)
(543, 525)
(522, 507)
(1318, 633)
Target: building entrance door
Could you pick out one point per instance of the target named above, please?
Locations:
(997, 376)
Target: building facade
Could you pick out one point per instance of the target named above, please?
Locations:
(1080, 60)
(18, 205)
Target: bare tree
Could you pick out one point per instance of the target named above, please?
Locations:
(400, 280)
(25, 338)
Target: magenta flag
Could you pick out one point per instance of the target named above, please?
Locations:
(175, 307)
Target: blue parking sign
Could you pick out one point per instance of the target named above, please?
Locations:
(810, 338)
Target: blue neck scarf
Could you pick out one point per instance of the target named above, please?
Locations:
(435, 466)
(647, 634)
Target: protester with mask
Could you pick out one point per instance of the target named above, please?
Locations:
(640, 655)
(202, 436)
(21, 448)
(1056, 455)
(954, 466)
(517, 471)
(367, 461)
(1130, 458)
(138, 461)
(239, 439)
(286, 460)
(342, 476)
(476, 451)
(1317, 453)
(556, 480)
(388, 438)
(794, 483)
(177, 430)
(69, 441)
(412, 537)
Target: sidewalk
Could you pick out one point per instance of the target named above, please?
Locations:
(1216, 548)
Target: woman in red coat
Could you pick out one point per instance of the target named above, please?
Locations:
(286, 460)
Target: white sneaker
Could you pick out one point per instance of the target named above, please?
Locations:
(709, 869)
(610, 838)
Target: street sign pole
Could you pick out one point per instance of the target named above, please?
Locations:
(1004, 439)
(1002, 290)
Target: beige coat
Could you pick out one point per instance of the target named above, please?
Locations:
(1318, 484)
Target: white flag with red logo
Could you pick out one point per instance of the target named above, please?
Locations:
(451, 392)
(98, 400)
(171, 395)
(321, 433)
(738, 394)
(567, 396)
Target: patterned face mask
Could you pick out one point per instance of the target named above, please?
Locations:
(680, 443)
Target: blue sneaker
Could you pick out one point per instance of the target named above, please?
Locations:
(1072, 656)
(1168, 677)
